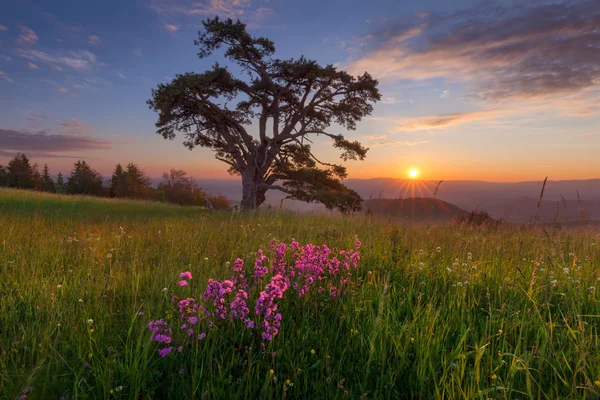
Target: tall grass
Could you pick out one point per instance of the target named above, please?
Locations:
(438, 311)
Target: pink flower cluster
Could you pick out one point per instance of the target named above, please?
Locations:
(184, 276)
(304, 270)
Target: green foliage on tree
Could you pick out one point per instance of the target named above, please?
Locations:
(48, 183)
(85, 180)
(3, 176)
(20, 173)
(60, 184)
(131, 182)
(178, 188)
(290, 101)
(118, 184)
(218, 201)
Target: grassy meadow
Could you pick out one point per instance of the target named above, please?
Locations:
(436, 311)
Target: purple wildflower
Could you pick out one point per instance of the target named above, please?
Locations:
(163, 352)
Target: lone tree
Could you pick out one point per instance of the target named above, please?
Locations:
(292, 101)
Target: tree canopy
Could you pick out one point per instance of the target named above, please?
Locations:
(289, 101)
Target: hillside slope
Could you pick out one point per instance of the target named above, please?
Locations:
(418, 208)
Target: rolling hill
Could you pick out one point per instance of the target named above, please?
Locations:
(420, 208)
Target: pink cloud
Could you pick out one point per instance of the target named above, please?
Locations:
(32, 66)
(3, 28)
(242, 9)
(27, 36)
(172, 27)
(46, 141)
(448, 120)
(374, 137)
(94, 39)
(62, 90)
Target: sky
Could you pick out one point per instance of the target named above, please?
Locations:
(471, 90)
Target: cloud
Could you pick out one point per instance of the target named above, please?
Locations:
(32, 66)
(445, 94)
(390, 100)
(397, 143)
(49, 82)
(137, 52)
(5, 77)
(3, 28)
(95, 82)
(62, 90)
(242, 9)
(10, 153)
(522, 50)
(121, 75)
(5, 58)
(172, 27)
(24, 141)
(36, 117)
(77, 60)
(447, 120)
(72, 126)
(94, 39)
(374, 137)
(27, 36)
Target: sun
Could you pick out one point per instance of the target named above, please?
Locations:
(413, 173)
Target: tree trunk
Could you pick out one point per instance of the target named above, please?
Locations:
(252, 194)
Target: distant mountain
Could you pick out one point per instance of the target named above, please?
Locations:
(413, 208)
(513, 201)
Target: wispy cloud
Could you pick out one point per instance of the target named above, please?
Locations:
(522, 50)
(27, 36)
(3, 28)
(62, 90)
(374, 137)
(5, 77)
(5, 58)
(95, 82)
(243, 9)
(37, 117)
(447, 120)
(390, 100)
(49, 82)
(74, 127)
(94, 39)
(32, 66)
(137, 52)
(397, 143)
(120, 75)
(12, 141)
(77, 60)
(172, 27)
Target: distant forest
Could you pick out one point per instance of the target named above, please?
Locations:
(127, 181)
